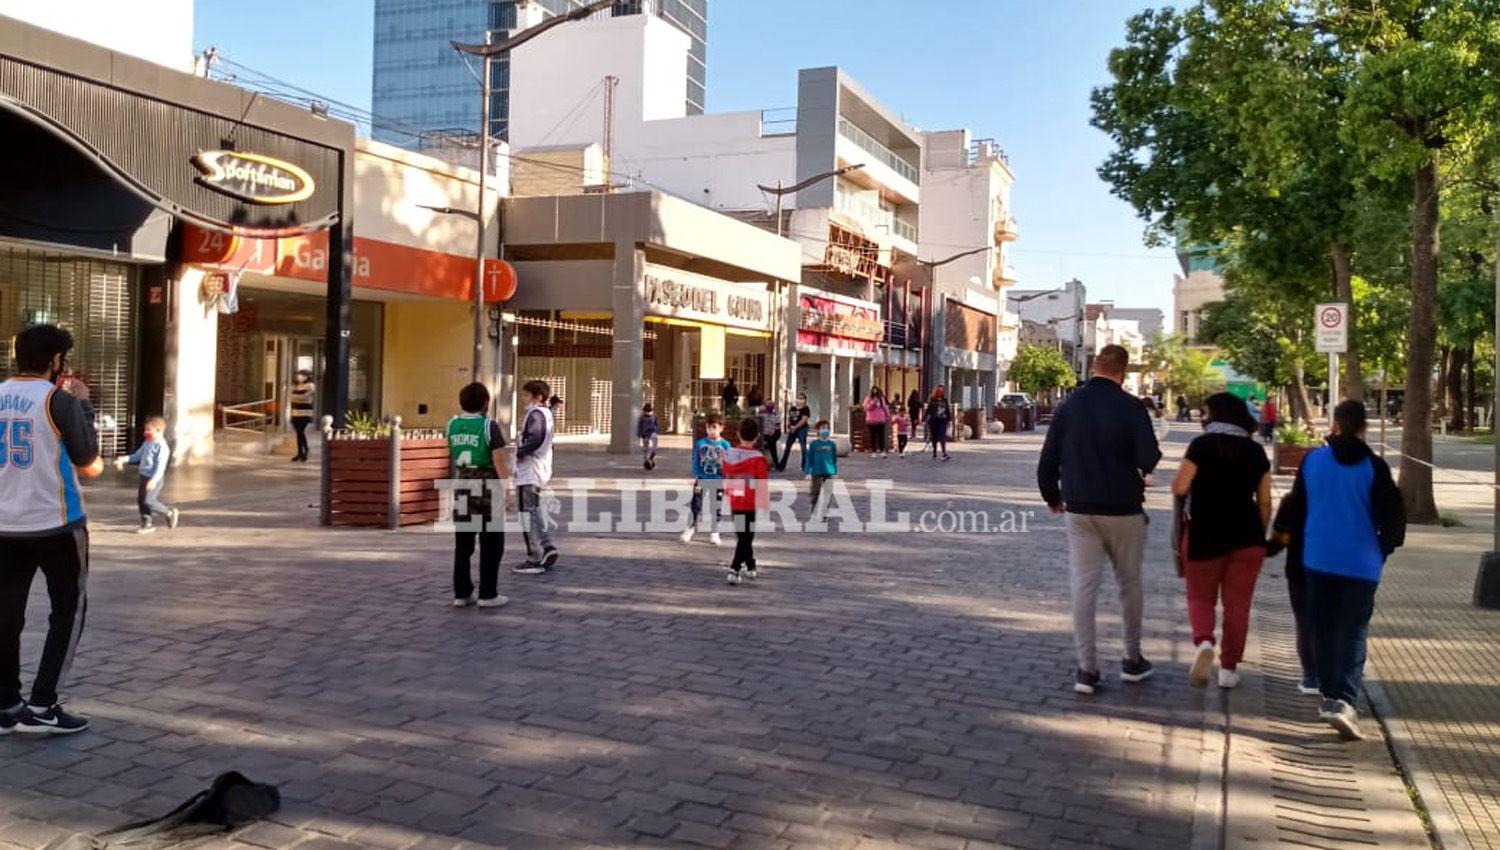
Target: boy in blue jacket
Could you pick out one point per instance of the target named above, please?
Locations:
(820, 463)
(1346, 513)
(708, 475)
(152, 458)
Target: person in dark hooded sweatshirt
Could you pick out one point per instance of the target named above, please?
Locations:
(1346, 513)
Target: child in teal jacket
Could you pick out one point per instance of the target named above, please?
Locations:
(820, 463)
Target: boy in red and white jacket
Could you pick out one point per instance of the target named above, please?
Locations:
(746, 472)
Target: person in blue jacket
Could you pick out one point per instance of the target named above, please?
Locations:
(1348, 514)
(820, 463)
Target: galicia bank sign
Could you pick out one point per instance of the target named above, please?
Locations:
(252, 177)
(678, 294)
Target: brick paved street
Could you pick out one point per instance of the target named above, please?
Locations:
(870, 690)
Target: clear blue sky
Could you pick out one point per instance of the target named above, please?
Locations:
(1016, 70)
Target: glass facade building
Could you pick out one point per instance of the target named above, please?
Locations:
(420, 83)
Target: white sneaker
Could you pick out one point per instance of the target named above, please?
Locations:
(172, 516)
(1228, 678)
(715, 539)
(465, 601)
(1203, 662)
(493, 603)
(752, 574)
(687, 535)
(734, 577)
(146, 529)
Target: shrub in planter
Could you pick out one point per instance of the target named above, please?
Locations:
(376, 474)
(1293, 442)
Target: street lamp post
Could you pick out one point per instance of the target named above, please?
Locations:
(487, 52)
(781, 381)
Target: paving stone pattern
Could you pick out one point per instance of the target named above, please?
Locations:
(883, 690)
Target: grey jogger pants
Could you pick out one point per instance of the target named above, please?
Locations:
(1091, 540)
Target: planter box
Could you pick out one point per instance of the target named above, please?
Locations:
(1289, 458)
(383, 482)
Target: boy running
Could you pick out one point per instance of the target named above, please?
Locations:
(50, 443)
(152, 458)
(746, 470)
(820, 464)
(708, 466)
(647, 428)
(476, 452)
(533, 472)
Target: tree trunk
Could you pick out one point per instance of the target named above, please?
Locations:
(1421, 336)
(1343, 287)
(1456, 417)
(1301, 406)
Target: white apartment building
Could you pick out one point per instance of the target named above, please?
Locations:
(965, 225)
(1062, 309)
(852, 320)
(1190, 295)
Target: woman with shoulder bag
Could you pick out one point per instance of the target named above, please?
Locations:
(1225, 479)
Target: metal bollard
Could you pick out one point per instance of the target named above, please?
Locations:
(393, 495)
(325, 485)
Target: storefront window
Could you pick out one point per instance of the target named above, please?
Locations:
(94, 300)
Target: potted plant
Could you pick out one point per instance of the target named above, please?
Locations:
(377, 474)
(1293, 442)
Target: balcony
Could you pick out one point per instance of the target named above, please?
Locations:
(1006, 230)
(1005, 275)
(884, 155)
(904, 230)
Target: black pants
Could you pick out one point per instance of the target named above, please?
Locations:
(299, 424)
(901, 440)
(877, 437)
(1340, 609)
(937, 435)
(744, 541)
(64, 561)
(491, 548)
(1296, 589)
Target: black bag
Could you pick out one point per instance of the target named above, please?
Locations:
(231, 802)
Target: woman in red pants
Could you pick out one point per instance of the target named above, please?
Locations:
(1226, 480)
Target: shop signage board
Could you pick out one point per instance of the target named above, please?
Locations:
(679, 294)
(834, 324)
(1331, 326)
(252, 177)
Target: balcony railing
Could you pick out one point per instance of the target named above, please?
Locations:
(781, 121)
(883, 154)
(904, 229)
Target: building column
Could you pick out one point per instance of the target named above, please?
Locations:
(628, 301)
(191, 369)
(791, 321)
(682, 380)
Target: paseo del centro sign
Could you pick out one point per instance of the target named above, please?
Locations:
(685, 295)
(252, 177)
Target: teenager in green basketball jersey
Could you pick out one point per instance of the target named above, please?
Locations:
(476, 451)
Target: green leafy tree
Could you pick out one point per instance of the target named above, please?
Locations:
(1038, 369)
(1184, 370)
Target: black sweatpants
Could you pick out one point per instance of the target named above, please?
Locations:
(476, 509)
(744, 541)
(63, 559)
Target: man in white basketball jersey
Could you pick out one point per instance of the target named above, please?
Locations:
(47, 443)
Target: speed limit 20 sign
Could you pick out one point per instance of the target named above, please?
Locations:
(1331, 327)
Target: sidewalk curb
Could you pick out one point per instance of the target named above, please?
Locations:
(1446, 833)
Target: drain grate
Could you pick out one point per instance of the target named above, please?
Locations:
(1290, 781)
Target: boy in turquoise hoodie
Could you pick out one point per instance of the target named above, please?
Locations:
(820, 463)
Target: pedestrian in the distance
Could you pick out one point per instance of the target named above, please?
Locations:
(1351, 519)
(939, 416)
(1226, 480)
(152, 458)
(729, 395)
(754, 400)
(533, 473)
(476, 453)
(914, 406)
(820, 464)
(799, 422)
(1182, 408)
(877, 420)
(746, 471)
(770, 431)
(1269, 415)
(902, 423)
(647, 429)
(1098, 452)
(42, 523)
(301, 398)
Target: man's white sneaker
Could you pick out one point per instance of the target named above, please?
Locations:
(1228, 678)
(496, 602)
(1203, 662)
(687, 535)
(715, 539)
(465, 601)
(752, 573)
(734, 577)
(146, 529)
(172, 516)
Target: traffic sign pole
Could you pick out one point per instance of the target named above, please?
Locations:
(1333, 385)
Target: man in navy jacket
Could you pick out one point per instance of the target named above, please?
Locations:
(1098, 451)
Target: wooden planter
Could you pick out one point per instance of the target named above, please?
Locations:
(1289, 458)
(382, 482)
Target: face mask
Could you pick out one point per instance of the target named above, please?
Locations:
(823, 432)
